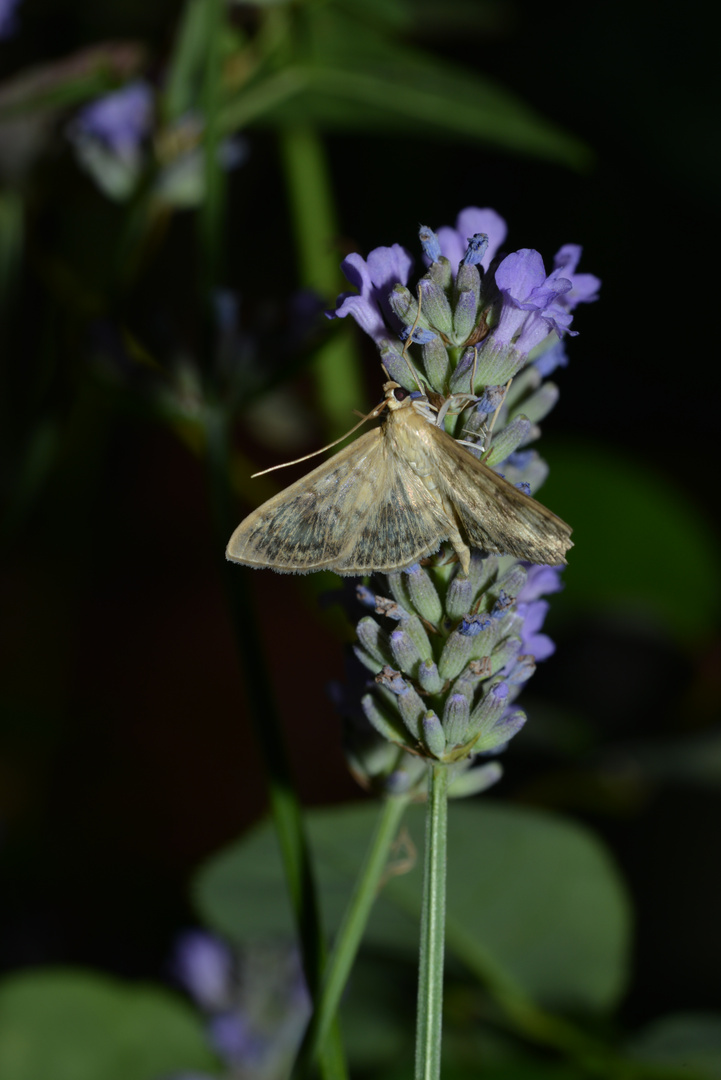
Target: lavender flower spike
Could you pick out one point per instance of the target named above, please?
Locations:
(462, 644)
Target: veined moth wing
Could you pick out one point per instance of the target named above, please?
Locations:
(361, 511)
(494, 515)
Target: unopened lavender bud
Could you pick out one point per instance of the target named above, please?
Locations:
(524, 384)
(490, 708)
(504, 652)
(522, 670)
(441, 273)
(506, 441)
(497, 362)
(461, 379)
(465, 314)
(436, 362)
(399, 367)
(405, 653)
(433, 734)
(428, 678)
(417, 631)
(460, 646)
(512, 581)
(405, 306)
(482, 571)
(475, 780)
(540, 403)
(424, 594)
(374, 641)
(459, 597)
(502, 732)
(468, 681)
(383, 720)
(490, 399)
(501, 604)
(456, 717)
(477, 247)
(430, 243)
(435, 307)
(399, 588)
(412, 710)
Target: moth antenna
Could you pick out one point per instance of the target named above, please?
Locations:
(370, 416)
(408, 343)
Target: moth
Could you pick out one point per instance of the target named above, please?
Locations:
(392, 498)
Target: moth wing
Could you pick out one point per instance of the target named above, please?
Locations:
(364, 510)
(494, 514)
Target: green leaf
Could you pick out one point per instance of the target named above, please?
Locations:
(532, 899)
(344, 72)
(185, 68)
(74, 1025)
(641, 545)
(691, 1041)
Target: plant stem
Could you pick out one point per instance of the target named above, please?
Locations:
(433, 923)
(284, 804)
(310, 195)
(350, 933)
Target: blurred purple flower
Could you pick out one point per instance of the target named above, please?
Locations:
(203, 965)
(8, 20)
(533, 643)
(120, 120)
(541, 580)
(234, 1040)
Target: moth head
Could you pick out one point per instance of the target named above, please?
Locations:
(397, 397)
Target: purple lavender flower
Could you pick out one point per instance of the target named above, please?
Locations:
(8, 20)
(530, 309)
(120, 121)
(203, 964)
(505, 308)
(374, 278)
(584, 287)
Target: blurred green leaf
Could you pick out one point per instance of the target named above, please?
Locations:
(74, 1025)
(691, 1041)
(532, 899)
(641, 545)
(185, 68)
(349, 74)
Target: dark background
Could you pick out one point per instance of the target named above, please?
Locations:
(125, 755)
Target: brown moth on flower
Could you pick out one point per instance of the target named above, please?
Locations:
(392, 498)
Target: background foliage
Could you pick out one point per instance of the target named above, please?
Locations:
(126, 758)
